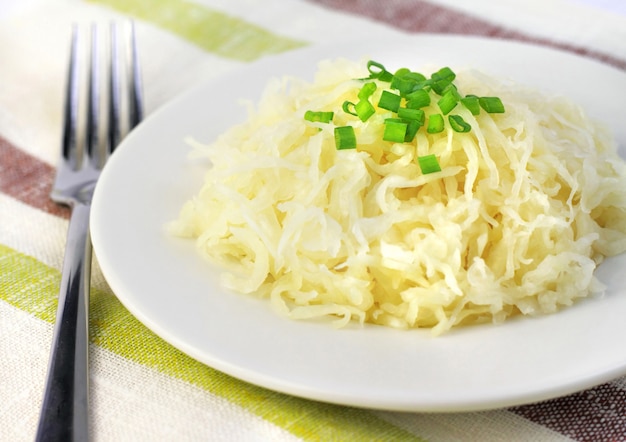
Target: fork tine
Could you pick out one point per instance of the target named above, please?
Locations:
(114, 134)
(136, 98)
(131, 87)
(70, 111)
(93, 127)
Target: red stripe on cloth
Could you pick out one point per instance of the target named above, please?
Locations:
(421, 16)
(594, 415)
(27, 179)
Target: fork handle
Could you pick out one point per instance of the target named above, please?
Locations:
(64, 412)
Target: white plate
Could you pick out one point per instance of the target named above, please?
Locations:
(168, 287)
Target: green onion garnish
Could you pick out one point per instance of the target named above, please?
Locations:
(411, 114)
(444, 73)
(429, 164)
(493, 105)
(378, 71)
(367, 90)
(442, 79)
(435, 124)
(322, 117)
(471, 103)
(364, 110)
(345, 137)
(349, 108)
(406, 81)
(412, 126)
(458, 124)
(416, 77)
(398, 80)
(395, 130)
(408, 96)
(418, 99)
(390, 101)
(448, 101)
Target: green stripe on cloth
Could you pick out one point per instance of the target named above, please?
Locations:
(32, 286)
(212, 30)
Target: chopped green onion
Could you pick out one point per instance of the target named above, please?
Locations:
(378, 71)
(442, 79)
(451, 88)
(444, 73)
(375, 68)
(397, 77)
(395, 130)
(349, 108)
(416, 77)
(390, 101)
(418, 99)
(345, 137)
(448, 101)
(322, 117)
(405, 81)
(440, 85)
(367, 90)
(493, 105)
(426, 85)
(471, 103)
(429, 164)
(403, 87)
(411, 114)
(435, 124)
(458, 124)
(364, 110)
(412, 126)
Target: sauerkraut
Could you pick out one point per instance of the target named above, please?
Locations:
(525, 207)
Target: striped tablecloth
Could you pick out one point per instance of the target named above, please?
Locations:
(141, 387)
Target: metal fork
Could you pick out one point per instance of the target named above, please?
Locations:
(64, 412)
